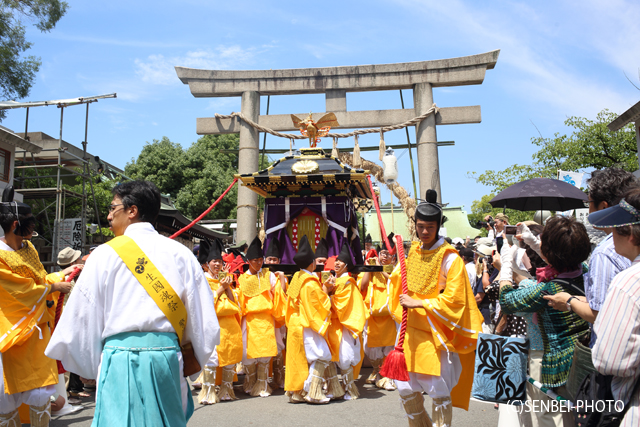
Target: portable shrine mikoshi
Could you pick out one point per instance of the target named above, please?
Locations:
(311, 193)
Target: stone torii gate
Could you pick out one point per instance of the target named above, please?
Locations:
(335, 82)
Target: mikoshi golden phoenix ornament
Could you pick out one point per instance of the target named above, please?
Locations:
(315, 130)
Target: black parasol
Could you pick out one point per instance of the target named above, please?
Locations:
(540, 194)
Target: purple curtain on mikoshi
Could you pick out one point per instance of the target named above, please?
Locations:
(338, 211)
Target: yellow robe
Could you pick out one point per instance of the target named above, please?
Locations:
(229, 317)
(260, 308)
(24, 292)
(310, 308)
(449, 320)
(348, 310)
(381, 328)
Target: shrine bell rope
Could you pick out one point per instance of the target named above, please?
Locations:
(433, 110)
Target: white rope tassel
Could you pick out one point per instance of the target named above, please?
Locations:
(383, 147)
(334, 152)
(441, 406)
(357, 160)
(291, 147)
(403, 402)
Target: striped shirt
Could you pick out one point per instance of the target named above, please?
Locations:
(604, 264)
(617, 351)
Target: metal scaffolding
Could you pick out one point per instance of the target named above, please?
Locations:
(63, 169)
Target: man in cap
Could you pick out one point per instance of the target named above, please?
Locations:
(307, 315)
(138, 293)
(348, 317)
(272, 257)
(27, 306)
(380, 331)
(261, 302)
(442, 324)
(229, 351)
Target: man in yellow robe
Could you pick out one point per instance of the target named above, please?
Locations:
(229, 351)
(272, 258)
(381, 329)
(347, 323)
(261, 301)
(27, 310)
(307, 316)
(442, 324)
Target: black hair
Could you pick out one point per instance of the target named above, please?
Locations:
(7, 219)
(142, 194)
(564, 243)
(608, 185)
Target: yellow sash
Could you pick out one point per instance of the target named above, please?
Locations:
(152, 281)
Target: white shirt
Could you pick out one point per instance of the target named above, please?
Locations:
(108, 300)
(471, 271)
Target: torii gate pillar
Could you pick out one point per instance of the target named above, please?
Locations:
(248, 155)
(426, 141)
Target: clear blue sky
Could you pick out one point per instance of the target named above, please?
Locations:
(557, 59)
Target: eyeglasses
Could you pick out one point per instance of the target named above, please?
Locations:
(588, 203)
(112, 208)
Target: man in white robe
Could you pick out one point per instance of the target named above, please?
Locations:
(109, 305)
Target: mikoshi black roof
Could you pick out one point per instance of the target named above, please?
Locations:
(312, 173)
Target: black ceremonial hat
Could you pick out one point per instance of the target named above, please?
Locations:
(367, 239)
(255, 249)
(322, 250)
(305, 257)
(429, 210)
(9, 206)
(345, 256)
(392, 242)
(216, 250)
(205, 247)
(273, 249)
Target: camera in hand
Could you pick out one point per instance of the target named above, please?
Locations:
(485, 224)
(510, 229)
(489, 259)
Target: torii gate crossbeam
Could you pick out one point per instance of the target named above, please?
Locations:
(335, 82)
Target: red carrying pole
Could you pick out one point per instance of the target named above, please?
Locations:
(375, 202)
(203, 214)
(395, 365)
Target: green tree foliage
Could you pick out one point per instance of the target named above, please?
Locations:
(194, 178)
(160, 162)
(45, 214)
(590, 146)
(17, 72)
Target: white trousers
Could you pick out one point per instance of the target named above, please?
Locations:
(315, 348)
(349, 350)
(434, 386)
(11, 402)
(213, 359)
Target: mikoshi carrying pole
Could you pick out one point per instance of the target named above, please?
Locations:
(395, 365)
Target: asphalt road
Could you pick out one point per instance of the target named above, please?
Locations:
(374, 408)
